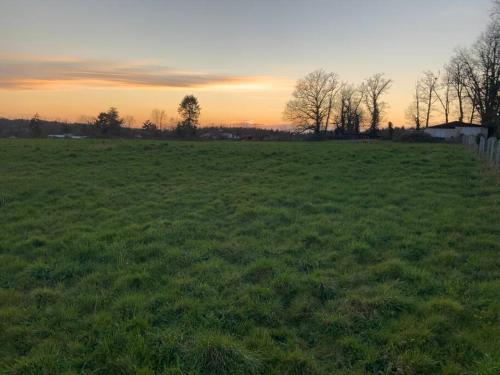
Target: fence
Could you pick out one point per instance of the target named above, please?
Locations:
(488, 148)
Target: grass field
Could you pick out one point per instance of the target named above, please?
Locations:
(142, 257)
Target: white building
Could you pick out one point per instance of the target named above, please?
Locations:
(65, 136)
(455, 129)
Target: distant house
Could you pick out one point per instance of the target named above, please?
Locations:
(229, 136)
(65, 136)
(455, 129)
(219, 135)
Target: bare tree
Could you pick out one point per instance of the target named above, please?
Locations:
(311, 106)
(414, 111)
(349, 115)
(443, 92)
(495, 12)
(87, 120)
(171, 123)
(463, 91)
(158, 116)
(455, 70)
(482, 69)
(373, 88)
(470, 110)
(129, 121)
(428, 85)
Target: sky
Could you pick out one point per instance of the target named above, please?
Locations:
(67, 59)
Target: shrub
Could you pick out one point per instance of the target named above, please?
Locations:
(414, 136)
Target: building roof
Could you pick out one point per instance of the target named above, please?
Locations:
(454, 124)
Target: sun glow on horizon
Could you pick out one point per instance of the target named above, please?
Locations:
(65, 87)
(240, 59)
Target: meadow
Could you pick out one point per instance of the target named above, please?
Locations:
(144, 257)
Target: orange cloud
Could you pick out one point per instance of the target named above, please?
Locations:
(24, 73)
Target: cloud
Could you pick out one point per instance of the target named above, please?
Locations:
(21, 73)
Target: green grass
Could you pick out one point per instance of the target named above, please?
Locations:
(141, 257)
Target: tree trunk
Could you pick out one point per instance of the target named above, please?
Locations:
(317, 127)
(417, 100)
(429, 106)
(330, 102)
(460, 107)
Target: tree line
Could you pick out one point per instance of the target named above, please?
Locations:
(189, 110)
(468, 87)
(321, 102)
(110, 123)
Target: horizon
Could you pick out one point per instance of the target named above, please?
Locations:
(241, 60)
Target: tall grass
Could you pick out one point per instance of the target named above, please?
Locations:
(141, 257)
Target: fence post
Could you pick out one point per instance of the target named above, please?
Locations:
(488, 148)
(476, 145)
(490, 144)
(472, 142)
(497, 156)
(492, 149)
(482, 145)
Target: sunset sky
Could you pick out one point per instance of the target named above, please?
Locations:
(65, 59)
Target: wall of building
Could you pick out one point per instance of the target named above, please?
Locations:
(473, 131)
(441, 133)
(456, 132)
